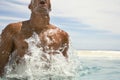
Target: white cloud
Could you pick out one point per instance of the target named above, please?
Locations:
(13, 7)
(22, 1)
(18, 1)
(11, 18)
(14, 11)
(100, 14)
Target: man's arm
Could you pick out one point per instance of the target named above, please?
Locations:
(6, 46)
(65, 37)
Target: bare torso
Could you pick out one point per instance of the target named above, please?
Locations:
(14, 35)
(51, 36)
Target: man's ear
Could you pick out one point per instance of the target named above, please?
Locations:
(30, 6)
(49, 5)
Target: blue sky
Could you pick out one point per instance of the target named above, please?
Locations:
(91, 24)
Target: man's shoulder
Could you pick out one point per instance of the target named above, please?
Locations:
(13, 27)
(59, 30)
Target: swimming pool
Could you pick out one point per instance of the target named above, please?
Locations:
(86, 65)
(100, 69)
(85, 68)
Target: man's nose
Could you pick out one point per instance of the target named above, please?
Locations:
(42, 1)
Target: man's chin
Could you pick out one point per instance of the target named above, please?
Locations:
(40, 12)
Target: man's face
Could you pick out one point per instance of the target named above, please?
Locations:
(40, 6)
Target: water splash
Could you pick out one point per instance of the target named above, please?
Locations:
(38, 65)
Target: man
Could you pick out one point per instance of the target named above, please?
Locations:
(14, 35)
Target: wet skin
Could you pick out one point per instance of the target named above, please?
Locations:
(14, 35)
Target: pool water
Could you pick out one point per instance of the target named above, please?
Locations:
(88, 69)
(99, 69)
(37, 67)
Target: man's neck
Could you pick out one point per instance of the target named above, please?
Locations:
(39, 21)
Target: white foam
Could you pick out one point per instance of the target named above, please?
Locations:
(37, 64)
